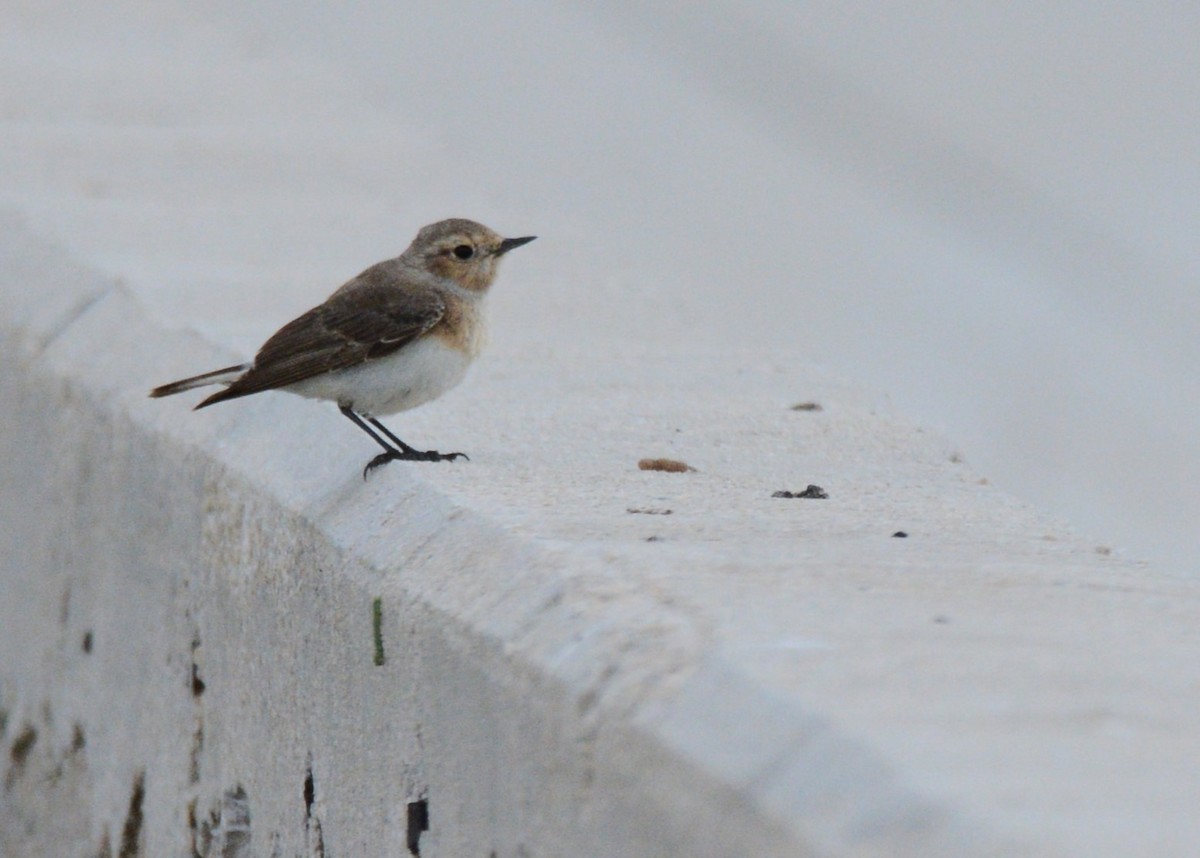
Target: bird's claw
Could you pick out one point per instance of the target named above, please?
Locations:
(411, 456)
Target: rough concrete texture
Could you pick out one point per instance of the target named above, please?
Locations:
(218, 640)
(578, 657)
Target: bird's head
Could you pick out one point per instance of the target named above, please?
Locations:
(462, 251)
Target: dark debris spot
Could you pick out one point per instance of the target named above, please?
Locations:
(310, 793)
(131, 832)
(87, 641)
(900, 534)
(377, 631)
(648, 510)
(198, 685)
(196, 751)
(23, 744)
(808, 406)
(810, 492)
(418, 823)
(318, 839)
(193, 830)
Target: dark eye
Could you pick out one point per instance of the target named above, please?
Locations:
(464, 251)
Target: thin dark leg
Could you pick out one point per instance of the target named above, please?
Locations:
(400, 444)
(358, 421)
(401, 451)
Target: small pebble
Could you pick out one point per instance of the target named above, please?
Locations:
(810, 492)
(671, 466)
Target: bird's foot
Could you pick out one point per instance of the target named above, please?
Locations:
(411, 455)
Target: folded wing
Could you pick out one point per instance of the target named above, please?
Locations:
(365, 320)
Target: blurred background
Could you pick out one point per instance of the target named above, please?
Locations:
(987, 212)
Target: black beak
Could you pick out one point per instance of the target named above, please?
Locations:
(509, 243)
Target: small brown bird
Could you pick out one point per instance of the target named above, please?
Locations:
(396, 336)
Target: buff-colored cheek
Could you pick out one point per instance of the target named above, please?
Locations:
(441, 266)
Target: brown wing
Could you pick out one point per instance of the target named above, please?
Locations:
(364, 320)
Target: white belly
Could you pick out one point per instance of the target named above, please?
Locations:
(410, 377)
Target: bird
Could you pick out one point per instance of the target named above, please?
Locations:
(400, 334)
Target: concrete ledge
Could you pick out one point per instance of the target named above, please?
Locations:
(219, 641)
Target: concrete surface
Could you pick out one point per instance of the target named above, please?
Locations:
(189, 635)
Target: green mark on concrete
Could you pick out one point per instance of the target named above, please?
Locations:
(377, 623)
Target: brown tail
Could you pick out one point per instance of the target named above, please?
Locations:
(217, 376)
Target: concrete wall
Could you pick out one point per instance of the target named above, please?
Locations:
(190, 639)
(216, 639)
(219, 640)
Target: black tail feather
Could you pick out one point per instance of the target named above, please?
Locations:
(217, 376)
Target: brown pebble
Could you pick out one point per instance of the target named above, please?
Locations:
(671, 466)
